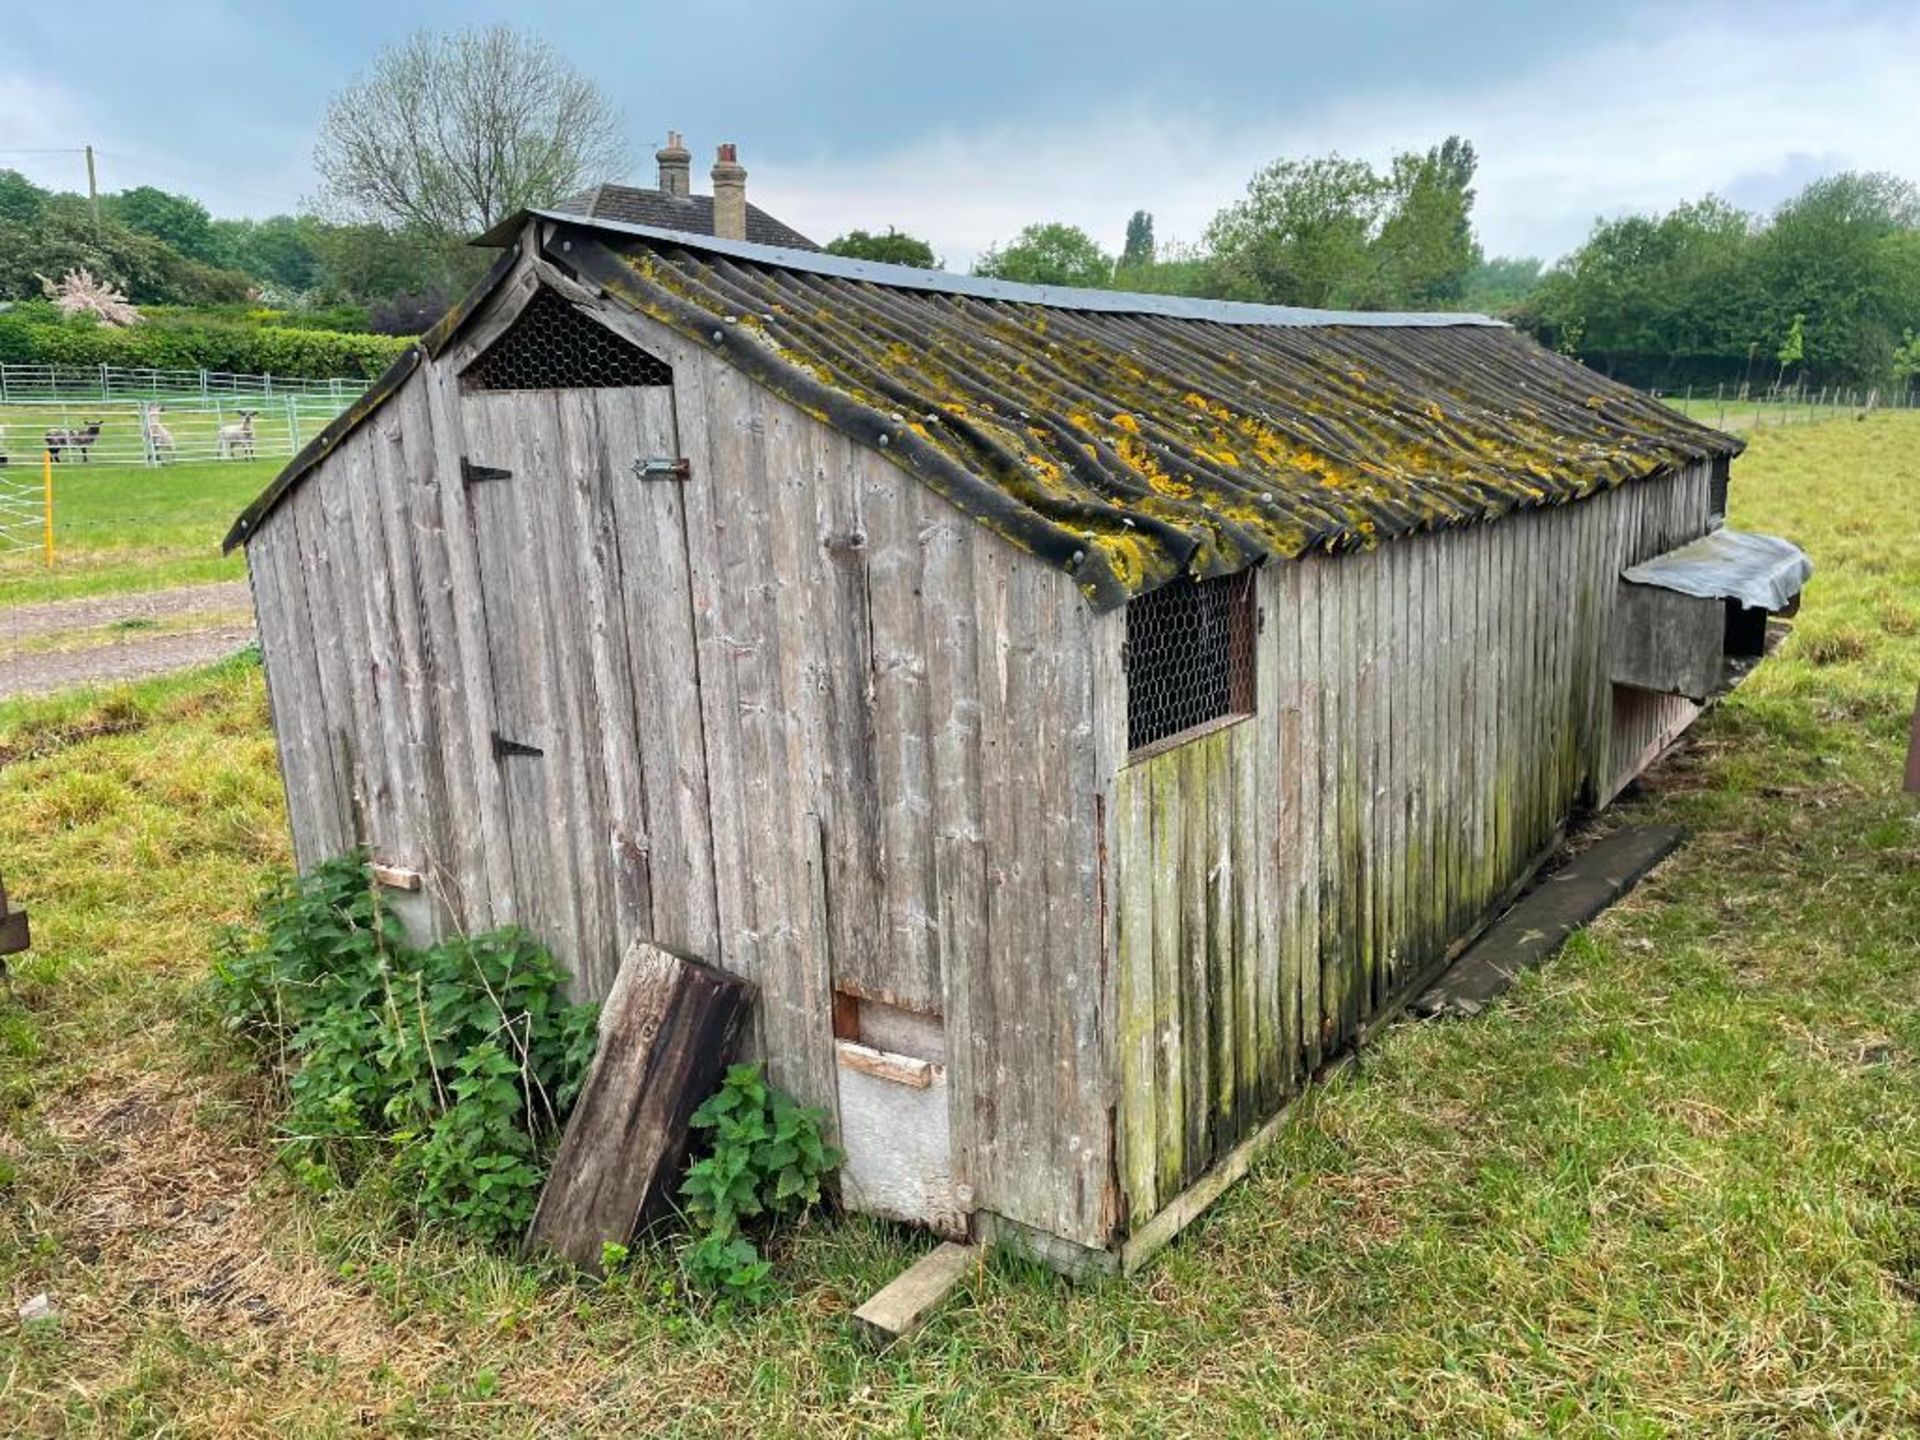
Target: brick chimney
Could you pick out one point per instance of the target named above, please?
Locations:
(729, 196)
(676, 165)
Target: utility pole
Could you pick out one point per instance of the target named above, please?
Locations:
(93, 193)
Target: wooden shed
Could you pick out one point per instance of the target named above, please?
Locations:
(1080, 715)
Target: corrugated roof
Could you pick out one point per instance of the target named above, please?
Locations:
(1130, 439)
(1132, 442)
(689, 214)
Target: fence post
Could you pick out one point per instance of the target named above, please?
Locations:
(46, 480)
(151, 456)
(203, 382)
(293, 426)
(106, 384)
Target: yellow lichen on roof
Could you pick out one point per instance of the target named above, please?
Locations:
(1283, 440)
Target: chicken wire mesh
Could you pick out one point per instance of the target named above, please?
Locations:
(1189, 657)
(552, 346)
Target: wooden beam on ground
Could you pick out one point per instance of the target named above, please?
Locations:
(905, 1305)
(1540, 923)
(667, 1030)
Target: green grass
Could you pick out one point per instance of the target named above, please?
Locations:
(1670, 1184)
(1742, 416)
(122, 528)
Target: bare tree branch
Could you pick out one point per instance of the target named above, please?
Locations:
(453, 132)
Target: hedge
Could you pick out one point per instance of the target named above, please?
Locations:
(199, 345)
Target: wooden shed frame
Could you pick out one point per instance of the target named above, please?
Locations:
(689, 663)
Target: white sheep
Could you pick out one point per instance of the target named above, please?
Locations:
(158, 433)
(236, 440)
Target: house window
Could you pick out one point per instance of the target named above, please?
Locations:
(1189, 659)
(551, 346)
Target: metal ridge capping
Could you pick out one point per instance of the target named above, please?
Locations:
(980, 287)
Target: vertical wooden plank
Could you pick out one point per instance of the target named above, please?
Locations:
(457, 861)
(1315, 809)
(794, 613)
(649, 661)
(402, 446)
(1223, 957)
(1137, 1022)
(471, 706)
(1364, 578)
(1282, 784)
(1169, 939)
(1196, 1005)
(952, 620)
(287, 646)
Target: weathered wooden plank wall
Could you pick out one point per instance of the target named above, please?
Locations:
(1429, 714)
(799, 716)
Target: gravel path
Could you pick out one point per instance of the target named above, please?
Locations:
(19, 621)
(103, 655)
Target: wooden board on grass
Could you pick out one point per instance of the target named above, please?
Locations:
(667, 1030)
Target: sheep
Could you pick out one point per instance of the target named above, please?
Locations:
(158, 435)
(236, 440)
(71, 439)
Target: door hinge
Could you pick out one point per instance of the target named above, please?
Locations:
(472, 474)
(661, 468)
(503, 747)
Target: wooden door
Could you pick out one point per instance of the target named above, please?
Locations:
(589, 630)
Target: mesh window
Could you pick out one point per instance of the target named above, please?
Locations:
(552, 346)
(1189, 657)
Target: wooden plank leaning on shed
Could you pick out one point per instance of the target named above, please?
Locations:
(666, 1031)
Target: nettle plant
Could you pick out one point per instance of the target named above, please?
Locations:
(766, 1162)
(455, 1065)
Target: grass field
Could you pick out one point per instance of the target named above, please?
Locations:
(1671, 1184)
(120, 528)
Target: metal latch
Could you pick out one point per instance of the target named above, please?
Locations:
(661, 468)
(472, 474)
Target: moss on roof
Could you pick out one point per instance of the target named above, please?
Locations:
(1136, 447)
(1130, 440)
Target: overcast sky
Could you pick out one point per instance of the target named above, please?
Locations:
(962, 122)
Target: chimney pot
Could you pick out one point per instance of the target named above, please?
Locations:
(676, 166)
(729, 195)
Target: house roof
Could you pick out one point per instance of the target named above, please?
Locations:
(692, 214)
(1131, 439)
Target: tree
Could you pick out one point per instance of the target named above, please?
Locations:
(21, 201)
(1048, 254)
(1137, 253)
(451, 133)
(146, 270)
(282, 250)
(1500, 285)
(1302, 234)
(1793, 349)
(178, 220)
(892, 248)
(1425, 249)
